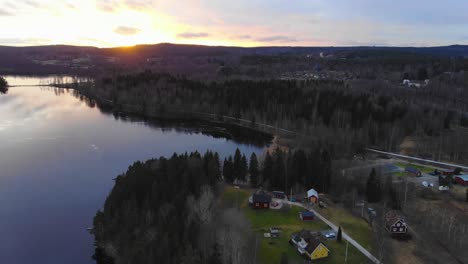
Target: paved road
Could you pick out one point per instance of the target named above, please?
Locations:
(418, 159)
(345, 235)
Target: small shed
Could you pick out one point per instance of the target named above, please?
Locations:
(312, 196)
(261, 201)
(274, 232)
(462, 180)
(306, 216)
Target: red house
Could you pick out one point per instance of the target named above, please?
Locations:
(261, 201)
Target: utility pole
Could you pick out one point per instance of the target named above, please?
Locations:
(237, 198)
(290, 199)
(406, 191)
(346, 255)
(255, 251)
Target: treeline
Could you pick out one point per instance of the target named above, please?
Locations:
(281, 170)
(3, 85)
(349, 115)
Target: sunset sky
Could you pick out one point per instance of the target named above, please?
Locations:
(107, 23)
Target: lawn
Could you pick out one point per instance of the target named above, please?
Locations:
(400, 174)
(356, 227)
(287, 219)
(422, 168)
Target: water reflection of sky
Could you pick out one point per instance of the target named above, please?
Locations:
(58, 159)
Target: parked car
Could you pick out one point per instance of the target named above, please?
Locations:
(413, 171)
(322, 204)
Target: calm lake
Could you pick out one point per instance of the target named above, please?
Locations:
(58, 156)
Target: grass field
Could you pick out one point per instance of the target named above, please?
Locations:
(287, 219)
(400, 174)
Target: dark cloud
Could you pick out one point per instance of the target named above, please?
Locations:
(192, 35)
(126, 31)
(280, 39)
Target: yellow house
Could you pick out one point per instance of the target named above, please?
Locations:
(309, 244)
(316, 250)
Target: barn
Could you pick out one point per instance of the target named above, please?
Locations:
(306, 216)
(462, 180)
(261, 201)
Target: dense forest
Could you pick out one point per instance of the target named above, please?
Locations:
(156, 210)
(347, 114)
(3, 85)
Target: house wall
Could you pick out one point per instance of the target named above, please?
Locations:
(313, 199)
(398, 227)
(319, 252)
(306, 218)
(261, 205)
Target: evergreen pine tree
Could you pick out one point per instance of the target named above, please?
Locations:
(237, 165)
(339, 236)
(253, 170)
(267, 168)
(3, 85)
(244, 168)
(227, 170)
(279, 171)
(373, 188)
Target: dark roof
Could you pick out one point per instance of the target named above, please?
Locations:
(312, 244)
(307, 213)
(307, 235)
(261, 198)
(392, 217)
(297, 238)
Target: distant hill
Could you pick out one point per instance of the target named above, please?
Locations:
(79, 59)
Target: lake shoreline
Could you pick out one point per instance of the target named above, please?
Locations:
(235, 127)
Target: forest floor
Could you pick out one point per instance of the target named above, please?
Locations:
(270, 250)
